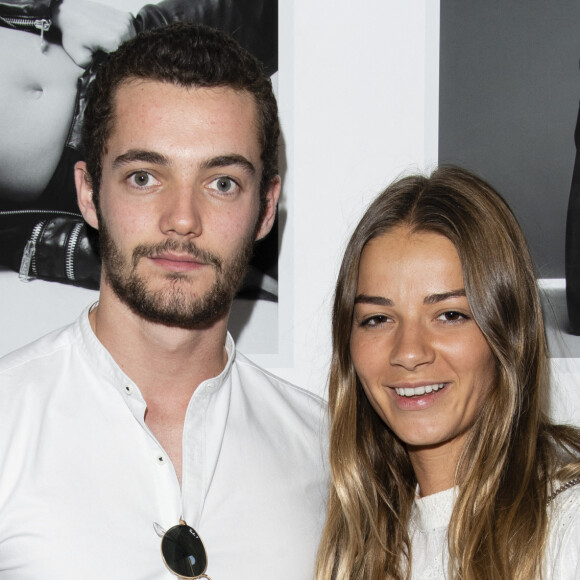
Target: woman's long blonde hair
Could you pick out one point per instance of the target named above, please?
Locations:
(499, 523)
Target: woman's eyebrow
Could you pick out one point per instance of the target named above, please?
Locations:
(377, 300)
(440, 297)
(430, 299)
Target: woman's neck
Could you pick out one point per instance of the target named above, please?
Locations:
(435, 466)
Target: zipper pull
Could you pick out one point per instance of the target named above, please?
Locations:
(43, 25)
(25, 265)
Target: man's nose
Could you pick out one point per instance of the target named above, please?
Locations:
(181, 213)
(412, 346)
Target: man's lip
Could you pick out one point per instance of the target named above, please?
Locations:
(177, 262)
(188, 258)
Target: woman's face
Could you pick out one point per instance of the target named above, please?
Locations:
(421, 358)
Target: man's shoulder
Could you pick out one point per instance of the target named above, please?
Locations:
(282, 411)
(261, 377)
(41, 353)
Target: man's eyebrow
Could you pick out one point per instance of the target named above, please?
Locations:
(228, 160)
(376, 300)
(434, 298)
(140, 155)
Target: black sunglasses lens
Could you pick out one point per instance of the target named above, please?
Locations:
(184, 552)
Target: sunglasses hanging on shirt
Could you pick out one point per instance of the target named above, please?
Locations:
(183, 551)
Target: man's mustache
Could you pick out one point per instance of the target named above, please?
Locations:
(189, 248)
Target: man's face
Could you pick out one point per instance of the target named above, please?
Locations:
(179, 200)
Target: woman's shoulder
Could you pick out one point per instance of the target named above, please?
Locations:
(563, 505)
(563, 550)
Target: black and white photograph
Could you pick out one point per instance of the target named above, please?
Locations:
(50, 52)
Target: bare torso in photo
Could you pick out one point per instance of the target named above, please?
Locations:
(37, 93)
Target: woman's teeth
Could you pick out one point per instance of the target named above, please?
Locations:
(412, 392)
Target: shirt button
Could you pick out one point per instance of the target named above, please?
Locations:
(128, 388)
(160, 459)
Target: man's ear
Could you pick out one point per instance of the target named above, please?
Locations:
(85, 194)
(269, 215)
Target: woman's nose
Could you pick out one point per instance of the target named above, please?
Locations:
(412, 347)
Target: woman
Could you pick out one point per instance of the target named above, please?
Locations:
(443, 462)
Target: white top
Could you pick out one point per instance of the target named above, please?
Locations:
(83, 479)
(428, 530)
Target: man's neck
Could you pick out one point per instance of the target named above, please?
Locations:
(162, 360)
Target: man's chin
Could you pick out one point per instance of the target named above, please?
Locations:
(186, 316)
(189, 321)
(175, 304)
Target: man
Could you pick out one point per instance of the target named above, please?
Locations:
(141, 414)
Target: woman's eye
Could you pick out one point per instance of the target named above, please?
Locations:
(452, 316)
(375, 320)
(224, 184)
(143, 179)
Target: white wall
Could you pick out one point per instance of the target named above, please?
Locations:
(360, 108)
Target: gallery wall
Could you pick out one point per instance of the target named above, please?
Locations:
(362, 109)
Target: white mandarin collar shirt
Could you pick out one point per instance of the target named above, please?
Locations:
(83, 479)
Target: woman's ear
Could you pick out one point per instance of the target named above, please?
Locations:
(85, 194)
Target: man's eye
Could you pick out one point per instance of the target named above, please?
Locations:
(224, 184)
(143, 179)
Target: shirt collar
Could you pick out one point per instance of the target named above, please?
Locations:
(434, 511)
(106, 365)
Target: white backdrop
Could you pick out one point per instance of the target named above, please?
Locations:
(360, 108)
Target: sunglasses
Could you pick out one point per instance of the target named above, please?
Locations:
(183, 551)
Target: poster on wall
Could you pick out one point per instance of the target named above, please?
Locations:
(49, 53)
(508, 104)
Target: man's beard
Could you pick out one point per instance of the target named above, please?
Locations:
(174, 305)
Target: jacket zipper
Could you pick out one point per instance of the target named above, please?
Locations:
(28, 264)
(28, 270)
(70, 251)
(42, 24)
(33, 211)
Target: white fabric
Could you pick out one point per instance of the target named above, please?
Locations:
(430, 519)
(82, 479)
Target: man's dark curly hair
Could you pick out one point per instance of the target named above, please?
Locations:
(186, 55)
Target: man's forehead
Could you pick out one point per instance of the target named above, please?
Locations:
(141, 104)
(132, 86)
